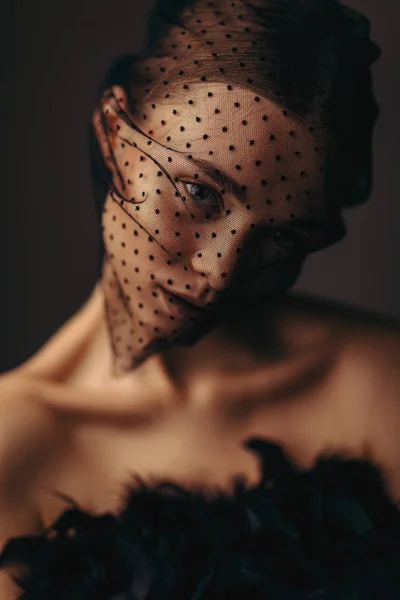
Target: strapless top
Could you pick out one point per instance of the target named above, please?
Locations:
(330, 532)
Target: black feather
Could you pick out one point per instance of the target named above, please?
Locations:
(331, 532)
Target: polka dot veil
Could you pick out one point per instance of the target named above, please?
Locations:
(215, 189)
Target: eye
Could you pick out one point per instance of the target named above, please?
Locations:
(203, 194)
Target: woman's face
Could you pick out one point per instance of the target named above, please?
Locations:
(173, 224)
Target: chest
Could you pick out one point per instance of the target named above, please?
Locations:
(200, 444)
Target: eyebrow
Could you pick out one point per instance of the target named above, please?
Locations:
(222, 178)
(219, 176)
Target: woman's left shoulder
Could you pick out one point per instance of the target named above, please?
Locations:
(368, 359)
(365, 348)
(366, 340)
(371, 345)
(370, 372)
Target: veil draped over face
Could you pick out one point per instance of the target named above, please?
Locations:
(224, 154)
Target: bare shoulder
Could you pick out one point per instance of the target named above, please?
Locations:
(365, 349)
(16, 519)
(22, 423)
(359, 332)
(328, 310)
(375, 364)
(369, 366)
(363, 394)
(25, 428)
(366, 384)
(27, 433)
(368, 345)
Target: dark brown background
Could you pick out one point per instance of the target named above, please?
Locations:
(53, 55)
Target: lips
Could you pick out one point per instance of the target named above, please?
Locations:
(181, 304)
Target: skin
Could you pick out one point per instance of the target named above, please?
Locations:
(130, 279)
(183, 413)
(65, 426)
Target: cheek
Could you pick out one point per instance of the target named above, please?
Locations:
(133, 253)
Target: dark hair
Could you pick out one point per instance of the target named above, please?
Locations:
(316, 60)
(331, 532)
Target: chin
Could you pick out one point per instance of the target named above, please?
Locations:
(232, 303)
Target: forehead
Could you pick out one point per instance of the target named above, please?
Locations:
(259, 144)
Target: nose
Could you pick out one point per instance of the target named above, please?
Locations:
(218, 258)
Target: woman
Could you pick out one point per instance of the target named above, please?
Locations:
(222, 156)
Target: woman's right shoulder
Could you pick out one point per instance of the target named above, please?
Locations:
(19, 396)
(22, 425)
(27, 433)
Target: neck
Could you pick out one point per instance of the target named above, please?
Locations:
(98, 366)
(231, 342)
(81, 352)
